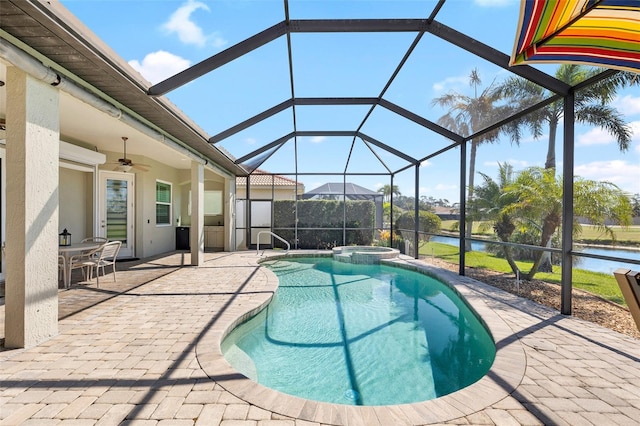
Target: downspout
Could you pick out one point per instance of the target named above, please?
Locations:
(37, 69)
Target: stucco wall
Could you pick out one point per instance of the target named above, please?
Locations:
(74, 194)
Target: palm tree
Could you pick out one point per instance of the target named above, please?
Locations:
(591, 107)
(387, 191)
(468, 115)
(538, 193)
(489, 204)
(591, 104)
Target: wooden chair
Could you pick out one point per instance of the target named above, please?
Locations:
(97, 259)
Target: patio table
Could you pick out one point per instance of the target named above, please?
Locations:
(68, 251)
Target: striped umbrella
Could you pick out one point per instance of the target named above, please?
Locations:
(594, 32)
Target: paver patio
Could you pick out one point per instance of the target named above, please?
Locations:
(144, 352)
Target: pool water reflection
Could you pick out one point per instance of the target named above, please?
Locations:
(360, 335)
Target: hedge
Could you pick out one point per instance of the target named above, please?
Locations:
(327, 214)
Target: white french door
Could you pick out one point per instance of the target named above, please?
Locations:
(116, 210)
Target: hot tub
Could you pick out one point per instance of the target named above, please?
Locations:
(364, 255)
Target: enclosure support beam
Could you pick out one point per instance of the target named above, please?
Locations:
(251, 121)
(463, 205)
(218, 60)
(420, 120)
(416, 206)
(567, 202)
(391, 213)
(344, 209)
(496, 57)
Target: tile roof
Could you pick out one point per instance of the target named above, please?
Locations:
(263, 178)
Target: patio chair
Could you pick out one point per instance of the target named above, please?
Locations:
(97, 259)
(94, 240)
(62, 270)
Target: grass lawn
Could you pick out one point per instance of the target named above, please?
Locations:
(604, 285)
(589, 234)
(624, 236)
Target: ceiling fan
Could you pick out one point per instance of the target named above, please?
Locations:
(125, 164)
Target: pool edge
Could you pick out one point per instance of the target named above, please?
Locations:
(505, 374)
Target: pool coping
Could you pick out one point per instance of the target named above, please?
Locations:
(504, 376)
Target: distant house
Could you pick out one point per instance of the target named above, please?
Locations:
(265, 186)
(447, 213)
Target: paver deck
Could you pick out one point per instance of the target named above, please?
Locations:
(145, 351)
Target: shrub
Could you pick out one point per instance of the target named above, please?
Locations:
(427, 222)
(328, 215)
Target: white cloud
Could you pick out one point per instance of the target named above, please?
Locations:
(515, 163)
(188, 31)
(251, 141)
(180, 23)
(635, 128)
(217, 41)
(450, 82)
(318, 139)
(445, 187)
(541, 139)
(596, 136)
(157, 66)
(622, 173)
(426, 163)
(628, 105)
(599, 136)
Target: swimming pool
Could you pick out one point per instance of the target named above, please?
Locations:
(360, 335)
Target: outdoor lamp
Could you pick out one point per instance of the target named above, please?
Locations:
(64, 238)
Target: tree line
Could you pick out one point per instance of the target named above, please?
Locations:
(529, 201)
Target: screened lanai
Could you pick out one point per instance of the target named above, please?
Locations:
(371, 93)
(405, 94)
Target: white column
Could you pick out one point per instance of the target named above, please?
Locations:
(33, 134)
(197, 213)
(229, 214)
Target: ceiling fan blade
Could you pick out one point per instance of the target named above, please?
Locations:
(140, 167)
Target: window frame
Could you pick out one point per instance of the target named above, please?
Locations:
(164, 203)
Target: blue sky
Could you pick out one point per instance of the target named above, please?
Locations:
(160, 38)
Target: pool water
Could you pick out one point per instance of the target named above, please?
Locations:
(360, 335)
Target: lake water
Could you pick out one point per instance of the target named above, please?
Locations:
(589, 264)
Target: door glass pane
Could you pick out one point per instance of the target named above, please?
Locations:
(117, 194)
(261, 213)
(241, 208)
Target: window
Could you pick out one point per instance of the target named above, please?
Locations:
(212, 203)
(163, 203)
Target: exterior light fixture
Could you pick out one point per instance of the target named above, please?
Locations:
(64, 238)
